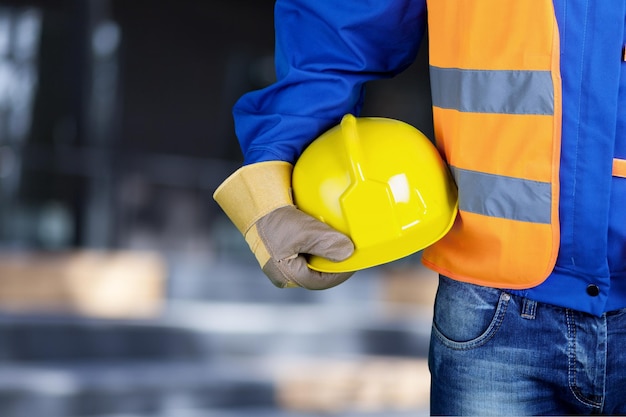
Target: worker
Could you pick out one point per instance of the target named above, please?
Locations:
(529, 110)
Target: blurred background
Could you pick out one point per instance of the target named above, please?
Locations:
(124, 290)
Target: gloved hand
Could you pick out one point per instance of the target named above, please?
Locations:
(257, 199)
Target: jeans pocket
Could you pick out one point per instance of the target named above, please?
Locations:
(466, 315)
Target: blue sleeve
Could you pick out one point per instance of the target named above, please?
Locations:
(326, 50)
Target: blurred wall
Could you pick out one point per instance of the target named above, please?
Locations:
(129, 110)
(125, 128)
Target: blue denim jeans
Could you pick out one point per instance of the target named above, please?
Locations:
(493, 353)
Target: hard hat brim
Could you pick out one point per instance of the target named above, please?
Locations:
(364, 258)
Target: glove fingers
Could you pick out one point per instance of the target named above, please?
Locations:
(295, 271)
(287, 234)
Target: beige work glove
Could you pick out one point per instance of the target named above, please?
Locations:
(257, 199)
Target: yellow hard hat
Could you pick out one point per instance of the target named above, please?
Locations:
(381, 182)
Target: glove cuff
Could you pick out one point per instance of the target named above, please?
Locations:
(255, 190)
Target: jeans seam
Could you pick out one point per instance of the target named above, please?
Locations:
(572, 368)
(487, 335)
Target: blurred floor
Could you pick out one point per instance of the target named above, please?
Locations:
(356, 350)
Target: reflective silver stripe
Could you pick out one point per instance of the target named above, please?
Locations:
(486, 91)
(505, 197)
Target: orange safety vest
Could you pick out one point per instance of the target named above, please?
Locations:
(496, 91)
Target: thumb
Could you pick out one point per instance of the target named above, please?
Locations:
(298, 233)
(321, 240)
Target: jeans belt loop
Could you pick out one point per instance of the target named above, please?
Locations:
(529, 309)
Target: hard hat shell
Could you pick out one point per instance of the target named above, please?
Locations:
(381, 182)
